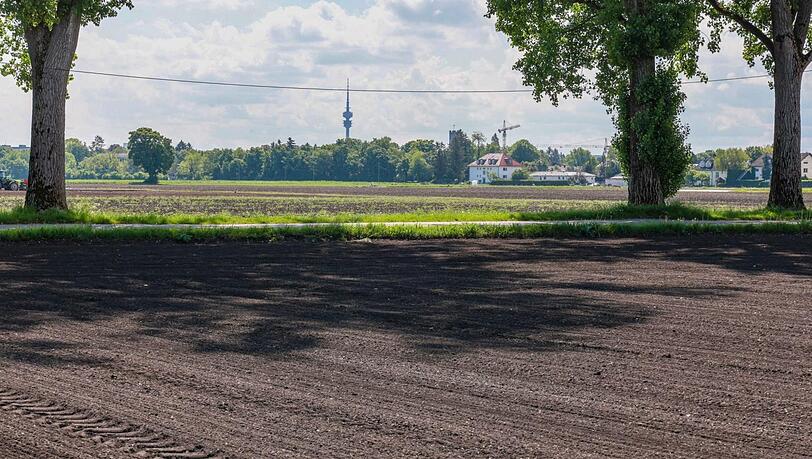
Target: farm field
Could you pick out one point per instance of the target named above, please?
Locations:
(690, 347)
(266, 199)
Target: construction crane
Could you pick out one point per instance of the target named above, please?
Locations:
(504, 130)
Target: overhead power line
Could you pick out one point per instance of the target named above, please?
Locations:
(738, 78)
(356, 90)
(306, 88)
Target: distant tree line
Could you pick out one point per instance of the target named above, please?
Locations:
(378, 160)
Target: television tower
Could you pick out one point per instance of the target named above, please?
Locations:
(347, 112)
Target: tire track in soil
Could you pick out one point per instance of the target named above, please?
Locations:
(104, 431)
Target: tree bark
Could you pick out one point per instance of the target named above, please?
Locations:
(51, 52)
(644, 182)
(785, 185)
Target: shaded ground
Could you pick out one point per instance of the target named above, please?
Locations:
(685, 347)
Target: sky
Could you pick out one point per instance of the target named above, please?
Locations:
(399, 44)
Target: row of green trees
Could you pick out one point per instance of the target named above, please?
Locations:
(345, 160)
(379, 160)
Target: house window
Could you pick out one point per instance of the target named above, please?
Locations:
(806, 170)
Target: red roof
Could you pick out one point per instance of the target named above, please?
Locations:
(496, 160)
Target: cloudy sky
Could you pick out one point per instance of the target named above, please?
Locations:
(403, 44)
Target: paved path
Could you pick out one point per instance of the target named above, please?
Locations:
(103, 227)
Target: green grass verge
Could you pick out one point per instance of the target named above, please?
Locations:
(612, 212)
(676, 211)
(348, 232)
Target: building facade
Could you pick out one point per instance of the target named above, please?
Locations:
(618, 180)
(583, 178)
(494, 166)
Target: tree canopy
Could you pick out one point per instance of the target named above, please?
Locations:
(151, 151)
(731, 158)
(575, 47)
(582, 160)
(629, 53)
(18, 17)
(524, 151)
(757, 22)
(777, 33)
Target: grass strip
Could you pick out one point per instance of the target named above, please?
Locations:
(403, 232)
(676, 211)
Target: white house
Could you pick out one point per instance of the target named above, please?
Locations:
(760, 165)
(563, 176)
(718, 177)
(494, 166)
(617, 180)
(806, 166)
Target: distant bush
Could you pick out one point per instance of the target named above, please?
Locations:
(748, 184)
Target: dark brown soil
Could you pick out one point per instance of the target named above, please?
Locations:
(695, 347)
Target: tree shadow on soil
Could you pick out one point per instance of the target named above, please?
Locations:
(46, 353)
(438, 296)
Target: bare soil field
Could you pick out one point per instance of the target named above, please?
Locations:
(307, 199)
(694, 347)
(726, 196)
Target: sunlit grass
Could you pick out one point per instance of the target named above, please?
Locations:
(85, 215)
(401, 232)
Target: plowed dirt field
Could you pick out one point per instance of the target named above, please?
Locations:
(693, 347)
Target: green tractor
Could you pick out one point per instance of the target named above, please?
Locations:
(10, 184)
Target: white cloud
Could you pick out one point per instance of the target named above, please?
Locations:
(206, 4)
(440, 44)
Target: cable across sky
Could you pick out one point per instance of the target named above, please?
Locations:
(357, 90)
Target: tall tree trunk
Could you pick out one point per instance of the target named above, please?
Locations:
(644, 182)
(51, 52)
(785, 185)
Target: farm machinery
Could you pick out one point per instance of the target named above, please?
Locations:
(10, 184)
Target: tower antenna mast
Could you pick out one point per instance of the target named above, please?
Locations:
(348, 113)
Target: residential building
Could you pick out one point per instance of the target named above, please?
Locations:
(718, 177)
(806, 166)
(15, 148)
(762, 167)
(564, 176)
(493, 166)
(618, 180)
(705, 165)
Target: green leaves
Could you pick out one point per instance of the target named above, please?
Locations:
(571, 48)
(20, 16)
(151, 151)
(661, 139)
(33, 13)
(574, 47)
(751, 19)
(560, 41)
(14, 59)
(94, 11)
